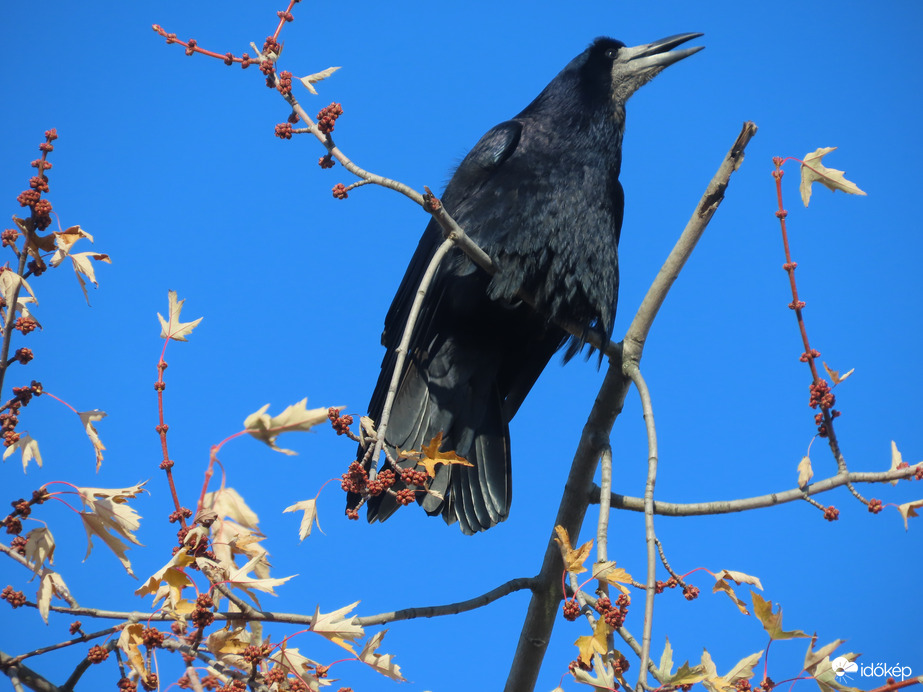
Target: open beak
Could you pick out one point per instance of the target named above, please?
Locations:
(658, 54)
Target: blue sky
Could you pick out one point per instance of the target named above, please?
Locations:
(171, 164)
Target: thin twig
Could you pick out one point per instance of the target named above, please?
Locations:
(679, 509)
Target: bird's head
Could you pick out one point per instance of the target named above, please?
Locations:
(630, 67)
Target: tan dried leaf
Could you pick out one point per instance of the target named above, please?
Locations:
(805, 472)
(835, 374)
(10, 281)
(604, 678)
(908, 509)
(595, 644)
(743, 670)
(242, 581)
(337, 628)
(51, 584)
(110, 518)
(88, 418)
(172, 328)
(896, 459)
(308, 519)
(313, 79)
(812, 170)
(616, 576)
(39, 548)
(227, 502)
(573, 558)
(131, 641)
(84, 267)
(380, 662)
(63, 241)
(738, 578)
(772, 622)
(28, 445)
(295, 418)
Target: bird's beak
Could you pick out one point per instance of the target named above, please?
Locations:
(657, 55)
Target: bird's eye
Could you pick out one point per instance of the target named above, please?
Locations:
(612, 53)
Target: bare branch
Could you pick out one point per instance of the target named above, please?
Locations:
(678, 509)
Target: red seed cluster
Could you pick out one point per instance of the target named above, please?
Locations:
(831, 513)
(405, 496)
(355, 480)
(339, 191)
(340, 423)
(571, 609)
(327, 117)
(382, 482)
(283, 131)
(875, 506)
(17, 599)
(821, 395)
(690, 593)
(614, 615)
(326, 161)
(97, 654)
(414, 477)
(284, 82)
(203, 616)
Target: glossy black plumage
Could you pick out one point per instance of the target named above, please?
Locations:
(540, 194)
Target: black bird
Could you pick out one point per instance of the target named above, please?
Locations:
(541, 195)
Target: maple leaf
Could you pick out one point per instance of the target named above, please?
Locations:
(772, 622)
(337, 628)
(616, 576)
(896, 459)
(227, 502)
(805, 472)
(291, 661)
(743, 670)
(738, 578)
(312, 79)
(10, 282)
(430, 455)
(813, 170)
(111, 519)
(573, 559)
(605, 677)
(309, 507)
(131, 639)
(596, 644)
(817, 664)
(84, 267)
(908, 509)
(39, 547)
(380, 662)
(63, 241)
(50, 584)
(29, 448)
(171, 573)
(242, 581)
(295, 418)
(835, 374)
(172, 328)
(88, 418)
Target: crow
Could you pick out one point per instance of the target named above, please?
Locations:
(541, 195)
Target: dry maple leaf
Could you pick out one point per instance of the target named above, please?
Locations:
(295, 418)
(573, 558)
(738, 578)
(84, 267)
(616, 576)
(908, 509)
(896, 459)
(62, 241)
(772, 622)
(743, 670)
(29, 448)
(597, 643)
(805, 472)
(686, 675)
(604, 675)
(88, 418)
(10, 283)
(337, 628)
(312, 79)
(39, 548)
(308, 519)
(111, 519)
(172, 328)
(429, 456)
(380, 662)
(227, 502)
(51, 584)
(835, 374)
(812, 170)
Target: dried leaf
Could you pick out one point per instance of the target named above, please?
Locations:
(227, 502)
(896, 459)
(131, 641)
(380, 662)
(743, 670)
(337, 628)
(604, 678)
(295, 418)
(309, 507)
(83, 266)
(9, 282)
(39, 548)
(596, 644)
(88, 418)
(805, 472)
(51, 583)
(573, 559)
(242, 581)
(908, 509)
(430, 455)
(312, 79)
(616, 576)
(772, 622)
(29, 448)
(172, 328)
(812, 170)
(63, 241)
(738, 578)
(835, 374)
(109, 512)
